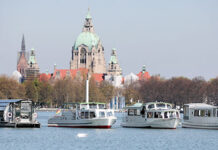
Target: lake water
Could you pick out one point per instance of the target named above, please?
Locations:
(117, 138)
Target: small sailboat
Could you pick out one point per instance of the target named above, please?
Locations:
(84, 115)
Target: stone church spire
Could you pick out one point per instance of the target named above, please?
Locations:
(22, 64)
(23, 47)
(88, 26)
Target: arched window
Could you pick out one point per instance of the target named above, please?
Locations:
(83, 56)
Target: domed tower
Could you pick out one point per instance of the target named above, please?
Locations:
(88, 51)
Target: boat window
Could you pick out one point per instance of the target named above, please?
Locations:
(161, 105)
(82, 115)
(150, 106)
(186, 112)
(137, 112)
(208, 113)
(177, 114)
(86, 115)
(157, 115)
(217, 112)
(143, 111)
(169, 106)
(196, 113)
(109, 113)
(92, 114)
(73, 116)
(214, 112)
(150, 115)
(101, 106)
(25, 107)
(101, 114)
(83, 106)
(93, 106)
(202, 113)
(130, 112)
(172, 114)
(165, 115)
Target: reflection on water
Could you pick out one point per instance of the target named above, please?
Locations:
(116, 138)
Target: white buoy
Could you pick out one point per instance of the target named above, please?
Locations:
(82, 135)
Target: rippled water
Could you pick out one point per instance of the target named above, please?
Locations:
(115, 138)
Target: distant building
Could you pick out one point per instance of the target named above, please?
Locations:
(130, 78)
(26, 64)
(114, 71)
(88, 58)
(32, 72)
(88, 51)
(73, 73)
(143, 75)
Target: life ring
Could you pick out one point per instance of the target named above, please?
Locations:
(9, 114)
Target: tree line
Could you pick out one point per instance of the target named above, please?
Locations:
(176, 90)
(54, 93)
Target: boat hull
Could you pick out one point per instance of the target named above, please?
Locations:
(153, 123)
(20, 125)
(199, 126)
(83, 123)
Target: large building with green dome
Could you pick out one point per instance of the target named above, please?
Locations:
(87, 51)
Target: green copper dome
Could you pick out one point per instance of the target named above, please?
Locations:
(86, 38)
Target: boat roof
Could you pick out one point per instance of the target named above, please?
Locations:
(10, 100)
(148, 103)
(92, 103)
(5, 102)
(136, 105)
(200, 106)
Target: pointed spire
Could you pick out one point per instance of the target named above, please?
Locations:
(88, 14)
(88, 26)
(23, 47)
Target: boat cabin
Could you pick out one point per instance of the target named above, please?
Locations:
(153, 110)
(199, 110)
(86, 110)
(17, 113)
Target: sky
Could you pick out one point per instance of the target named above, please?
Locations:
(170, 37)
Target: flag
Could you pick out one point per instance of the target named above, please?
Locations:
(58, 111)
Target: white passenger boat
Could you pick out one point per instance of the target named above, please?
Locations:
(200, 115)
(151, 115)
(84, 115)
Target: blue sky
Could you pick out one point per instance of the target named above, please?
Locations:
(171, 37)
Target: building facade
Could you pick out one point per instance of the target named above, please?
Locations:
(88, 51)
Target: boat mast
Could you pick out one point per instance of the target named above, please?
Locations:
(87, 90)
